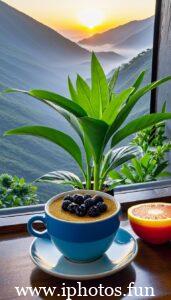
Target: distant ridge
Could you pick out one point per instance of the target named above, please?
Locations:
(141, 30)
(24, 30)
(139, 40)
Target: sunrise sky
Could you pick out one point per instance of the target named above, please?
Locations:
(77, 19)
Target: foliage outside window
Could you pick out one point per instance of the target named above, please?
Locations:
(15, 191)
(153, 163)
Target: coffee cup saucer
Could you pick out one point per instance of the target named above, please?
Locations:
(121, 253)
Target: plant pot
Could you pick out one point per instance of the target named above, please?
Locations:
(104, 190)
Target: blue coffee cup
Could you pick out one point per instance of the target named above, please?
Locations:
(78, 241)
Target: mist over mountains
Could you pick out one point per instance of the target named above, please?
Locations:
(135, 35)
(34, 56)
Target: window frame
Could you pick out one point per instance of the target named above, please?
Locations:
(15, 219)
(156, 35)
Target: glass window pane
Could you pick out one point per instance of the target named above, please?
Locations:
(164, 63)
(41, 43)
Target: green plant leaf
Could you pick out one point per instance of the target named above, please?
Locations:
(84, 96)
(125, 111)
(139, 124)
(164, 107)
(59, 100)
(160, 168)
(100, 90)
(59, 138)
(127, 172)
(137, 165)
(72, 120)
(139, 80)
(164, 174)
(95, 131)
(145, 160)
(66, 114)
(54, 98)
(72, 91)
(116, 157)
(111, 184)
(87, 150)
(113, 174)
(113, 80)
(61, 177)
(115, 105)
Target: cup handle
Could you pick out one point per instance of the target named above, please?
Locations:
(34, 232)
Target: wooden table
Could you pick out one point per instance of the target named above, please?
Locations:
(151, 268)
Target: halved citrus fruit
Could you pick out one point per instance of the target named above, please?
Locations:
(151, 221)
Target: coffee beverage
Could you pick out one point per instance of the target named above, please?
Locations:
(68, 210)
(82, 224)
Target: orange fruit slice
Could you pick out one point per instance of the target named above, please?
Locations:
(151, 221)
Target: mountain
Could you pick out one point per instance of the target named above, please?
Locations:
(135, 34)
(129, 72)
(32, 38)
(127, 75)
(141, 40)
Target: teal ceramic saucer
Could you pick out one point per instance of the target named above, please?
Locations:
(45, 256)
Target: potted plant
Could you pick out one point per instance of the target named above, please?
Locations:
(98, 114)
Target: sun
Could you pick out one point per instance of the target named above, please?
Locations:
(90, 19)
